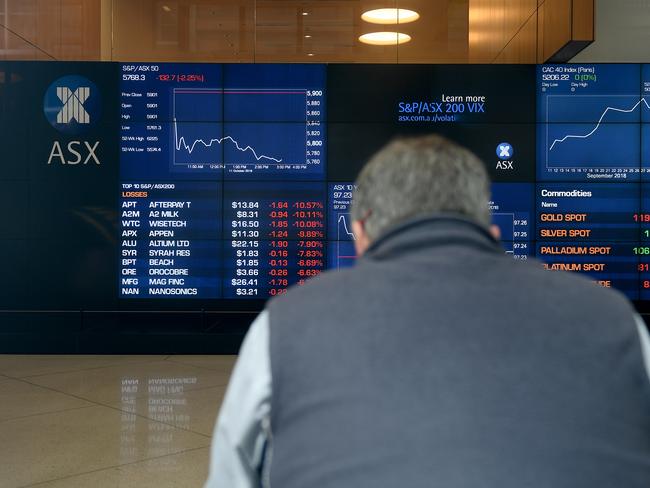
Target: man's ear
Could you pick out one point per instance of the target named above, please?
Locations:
(495, 231)
(361, 240)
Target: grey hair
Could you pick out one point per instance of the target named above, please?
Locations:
(417, 177)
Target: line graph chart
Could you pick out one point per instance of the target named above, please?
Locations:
(595, 132)
(344, 228)
(589, 122)
(598, 124)
(341, 252)
(245, 131)
(239, 121)
(339, 221)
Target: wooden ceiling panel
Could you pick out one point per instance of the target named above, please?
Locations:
(237, 30)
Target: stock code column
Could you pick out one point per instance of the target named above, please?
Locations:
(277, 236)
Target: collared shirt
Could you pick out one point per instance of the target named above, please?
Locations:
(241, 446)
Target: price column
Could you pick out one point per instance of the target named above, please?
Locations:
(277, 236)
(642, 249)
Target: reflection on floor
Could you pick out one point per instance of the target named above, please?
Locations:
(108, 421)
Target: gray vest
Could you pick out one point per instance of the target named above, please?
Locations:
(438, 361)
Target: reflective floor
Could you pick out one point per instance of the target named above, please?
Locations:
(108, 421)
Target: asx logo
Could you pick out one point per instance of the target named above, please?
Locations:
(72, 105)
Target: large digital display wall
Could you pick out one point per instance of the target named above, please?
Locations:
(214, 182)
(236, 180)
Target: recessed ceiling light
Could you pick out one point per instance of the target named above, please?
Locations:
(384, 38)
(310, 54)
(166, 8)
(307, 36)
(390, 16)
(305, 13)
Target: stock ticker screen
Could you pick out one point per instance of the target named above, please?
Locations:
(223, 181)
(236, 180)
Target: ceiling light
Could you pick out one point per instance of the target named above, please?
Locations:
(305, 13)
(166, 8)
(310, 54)
(384, 38)
(390, 16)
(307, 36)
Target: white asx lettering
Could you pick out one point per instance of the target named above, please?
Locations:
(87, 153)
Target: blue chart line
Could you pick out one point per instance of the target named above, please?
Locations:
(589, 134)
(182, 144)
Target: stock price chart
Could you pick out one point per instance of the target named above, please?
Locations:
(233, 121)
